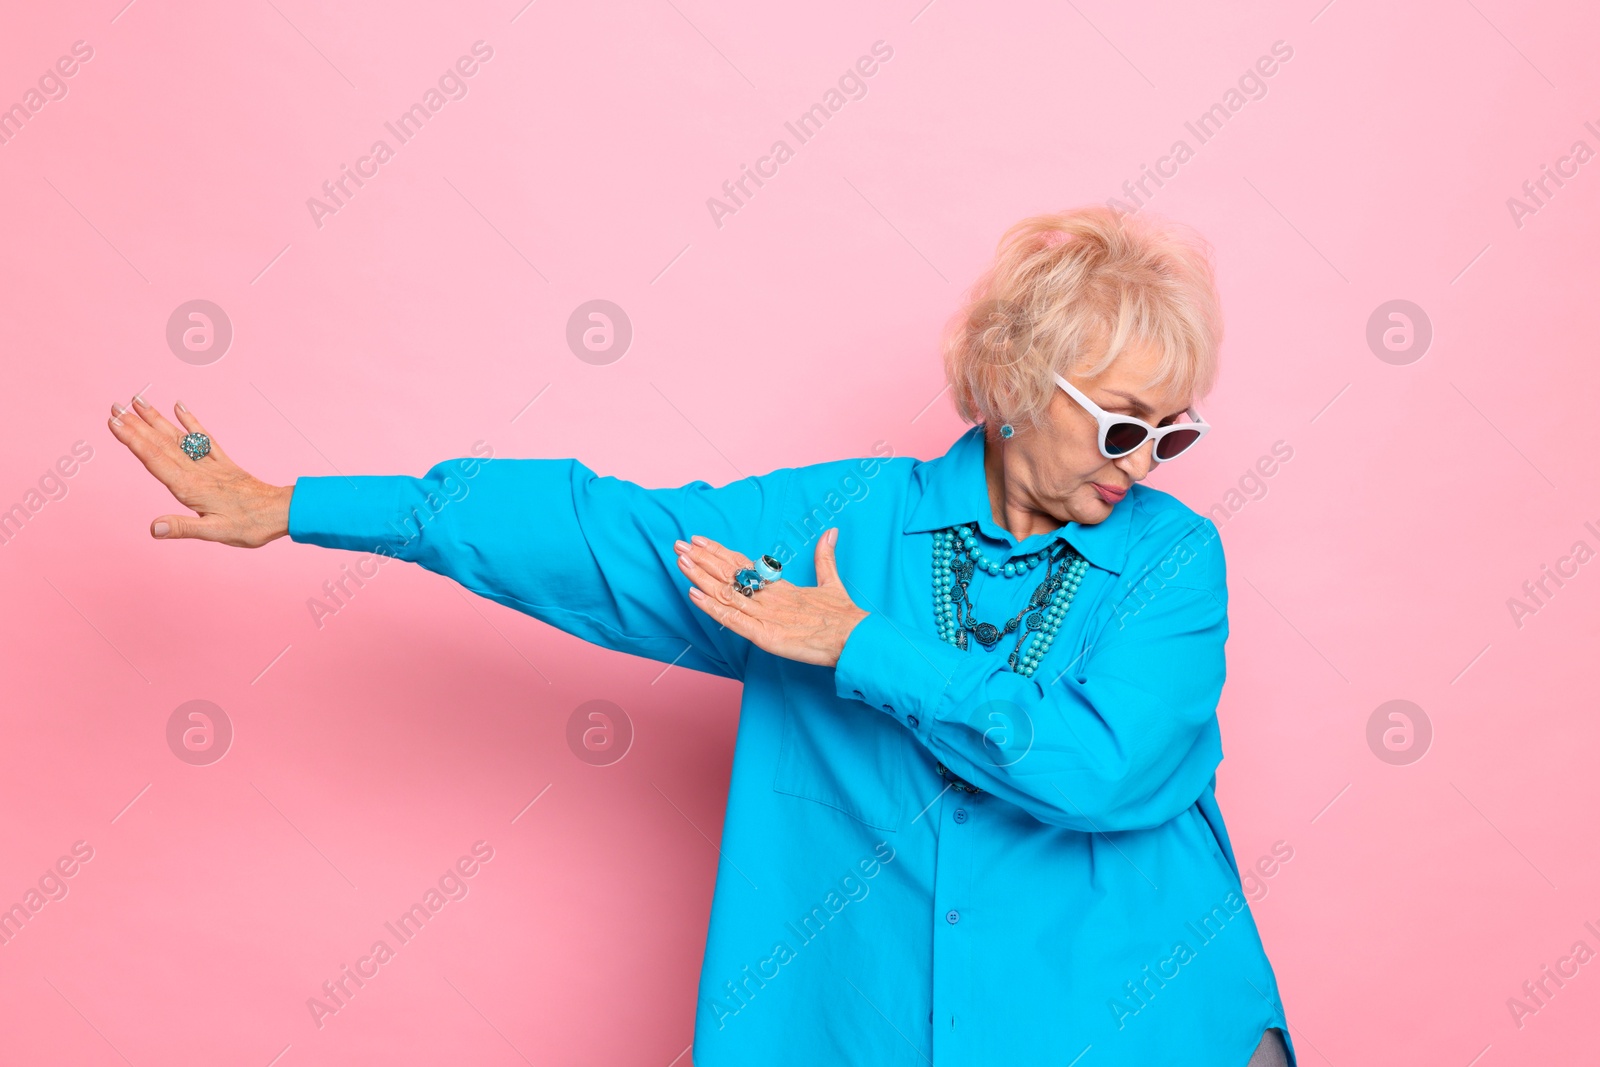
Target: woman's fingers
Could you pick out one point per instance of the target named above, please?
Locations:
(162, 428)
(159, 456)
(147, 422)
(720, 559)
(697, 569)
(711, 583)
(720, 565)
(203, 527)
(192, 425)
(231, 507)
(154, 440)
(155, 420)
(731, 617)
(827, 566)
(716, 595)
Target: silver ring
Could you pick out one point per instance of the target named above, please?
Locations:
(759, 575)
(195, 445)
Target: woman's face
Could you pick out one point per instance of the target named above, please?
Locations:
(1057, 471)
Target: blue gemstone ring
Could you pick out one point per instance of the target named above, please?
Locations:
(764, 572)
(195, 445)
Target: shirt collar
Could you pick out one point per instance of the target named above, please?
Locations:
(955, 490)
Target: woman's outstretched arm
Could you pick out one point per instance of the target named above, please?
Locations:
(588, 554)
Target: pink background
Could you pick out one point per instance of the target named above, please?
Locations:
(424, 316)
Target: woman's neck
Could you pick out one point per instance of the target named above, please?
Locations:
(1007, 502)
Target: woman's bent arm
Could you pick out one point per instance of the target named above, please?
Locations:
(1125, 737)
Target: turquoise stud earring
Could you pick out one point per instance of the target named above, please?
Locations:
(1006, 429)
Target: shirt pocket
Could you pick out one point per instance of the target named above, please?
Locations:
(837, 752)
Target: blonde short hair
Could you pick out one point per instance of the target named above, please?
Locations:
(1068, 293)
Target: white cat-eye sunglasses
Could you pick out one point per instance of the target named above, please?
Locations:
(1122, 434)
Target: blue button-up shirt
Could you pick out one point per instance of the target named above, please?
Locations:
(1082, 906)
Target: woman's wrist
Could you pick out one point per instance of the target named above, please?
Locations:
(272, 512)
(841, 635)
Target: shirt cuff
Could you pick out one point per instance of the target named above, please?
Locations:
(364, 513)
(899, 672)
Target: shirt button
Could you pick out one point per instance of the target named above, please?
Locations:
(952, 916)
(858, 695)
(889, 708)
(961, 815)
(912, 719)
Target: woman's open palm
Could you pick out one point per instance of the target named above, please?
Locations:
(231, 506)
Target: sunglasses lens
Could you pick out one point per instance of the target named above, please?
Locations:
(1124, 437)
(1175, 442)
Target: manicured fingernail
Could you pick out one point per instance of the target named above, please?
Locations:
(681, 546)
(161, 529)
(695, 593)
(833, 535)
(115, 421)
(118, 409)
(139, 401)
(182, 408)
(697, 539)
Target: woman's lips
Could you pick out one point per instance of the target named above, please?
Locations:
(1110, 494)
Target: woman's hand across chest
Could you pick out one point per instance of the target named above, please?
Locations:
(809, 624)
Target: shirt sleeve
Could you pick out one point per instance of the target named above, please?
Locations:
(1124, 737)
(590, 555)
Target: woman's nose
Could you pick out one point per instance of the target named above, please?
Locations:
(1137, 464)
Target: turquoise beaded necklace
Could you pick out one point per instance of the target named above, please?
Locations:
(957, 557)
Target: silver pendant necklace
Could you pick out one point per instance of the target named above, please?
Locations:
(957, 558)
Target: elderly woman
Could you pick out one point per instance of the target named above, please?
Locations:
(972, 816)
